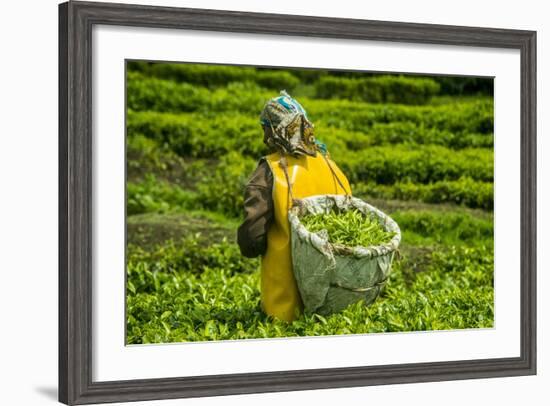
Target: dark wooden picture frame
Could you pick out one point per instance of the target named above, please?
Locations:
(76, 20)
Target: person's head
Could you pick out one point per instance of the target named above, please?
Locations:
(286, 126)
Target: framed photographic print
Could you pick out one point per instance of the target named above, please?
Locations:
(259, 202)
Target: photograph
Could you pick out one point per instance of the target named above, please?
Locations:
(271, 202)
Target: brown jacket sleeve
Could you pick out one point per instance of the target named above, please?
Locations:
(258, 212)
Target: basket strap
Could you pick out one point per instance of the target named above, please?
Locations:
(348, 194)
(283, 163)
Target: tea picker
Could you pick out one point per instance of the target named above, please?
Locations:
(303, 270)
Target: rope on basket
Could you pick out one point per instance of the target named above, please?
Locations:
(283, 163)
(348, 194)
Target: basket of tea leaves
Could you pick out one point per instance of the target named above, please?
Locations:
(342, 251)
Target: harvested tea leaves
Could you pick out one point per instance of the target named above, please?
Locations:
(350, 228)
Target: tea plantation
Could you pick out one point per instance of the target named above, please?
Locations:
(418, 148)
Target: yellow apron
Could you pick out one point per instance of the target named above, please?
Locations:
(308, 176)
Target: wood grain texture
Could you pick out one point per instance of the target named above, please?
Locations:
(63, 243)
(75, 201)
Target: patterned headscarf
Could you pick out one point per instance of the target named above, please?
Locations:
(291, 131)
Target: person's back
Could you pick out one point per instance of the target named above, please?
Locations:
(297, 161)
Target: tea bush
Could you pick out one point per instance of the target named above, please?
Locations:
(377, 89)
(172, 97)
(417, 164)
(175, 300)
(466, 117)
(199, 134)
(152, 195)
(213, 76)
(464, 191)
(425, 227)
(220, 190)
(371, 88)
(168, 96)
(407, 132)
(223, 189)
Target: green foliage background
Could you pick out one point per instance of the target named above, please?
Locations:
(420, 148)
